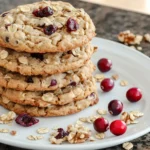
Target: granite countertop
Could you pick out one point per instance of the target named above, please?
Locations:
(109, 22)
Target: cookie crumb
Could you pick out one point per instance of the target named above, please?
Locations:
(127, 145)
(35, 137)
(147, 37)
(123, 83)
(100, 136)
(102, 112)
(13, 133)
(42, 130)
(115, 77)
(4, 130)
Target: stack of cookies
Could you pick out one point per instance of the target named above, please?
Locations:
(45, 67)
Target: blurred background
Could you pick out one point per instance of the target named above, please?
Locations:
(142, 6)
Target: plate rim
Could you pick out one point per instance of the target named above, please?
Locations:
(83, 146)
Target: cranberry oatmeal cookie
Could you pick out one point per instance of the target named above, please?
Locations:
(52, 110)
(45, 83)
(45, 26)
(58, 97)
(48, 63)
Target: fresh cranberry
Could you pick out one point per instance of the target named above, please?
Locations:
(73, 83)
(101, 125)
(45, 12)
(26, 120)
(37, 56)
(29, 79)
(134, 94)
(115, 107)
(104, 64)
(61, 133)
(118, 127)
(49, 30)
(53, 82)
(107, 85)
(72, 25)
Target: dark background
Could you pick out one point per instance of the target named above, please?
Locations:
(109, 22)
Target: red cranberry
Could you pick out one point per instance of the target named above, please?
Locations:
(72, 25)
(107, 85)
(134, 94)
(61, 133)
(26, 120)
(29, 80)
(49, 30)
(101, 125)
(4, 14)
(115, 107)
(37, 56)
(45, 12)
(118, 127)
(73, 83)
(53, 82)
(104, 64)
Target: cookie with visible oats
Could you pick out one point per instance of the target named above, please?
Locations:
(44, 99)
(45, 83)
(45, 26)
(52, 110)
(48, 63)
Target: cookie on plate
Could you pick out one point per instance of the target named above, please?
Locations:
(48, 63)
(58, 97)
(45, 83)
(52, 110)
(45, 26)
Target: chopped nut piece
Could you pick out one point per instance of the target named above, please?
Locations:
(100, 135)
(99, 77)
(53, 140)
(123, 83)
(89, 119)
(13, 132)
(115, 77)
(127, 146)
(147, 37)
(129, 38)
(7, 118)
(35, 137)
(42, 130)
(130, 118)
(102, 112)
(4, 130)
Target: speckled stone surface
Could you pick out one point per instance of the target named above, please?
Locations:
(109, 22)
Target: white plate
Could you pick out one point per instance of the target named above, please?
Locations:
(132, 66)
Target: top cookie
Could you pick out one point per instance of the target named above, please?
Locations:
(45, 27)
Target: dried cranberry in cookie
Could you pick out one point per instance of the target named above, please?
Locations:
(29, 80)
(50, 29)
(44, 12)
(72, 25)
(4, 14)
(53, 82)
